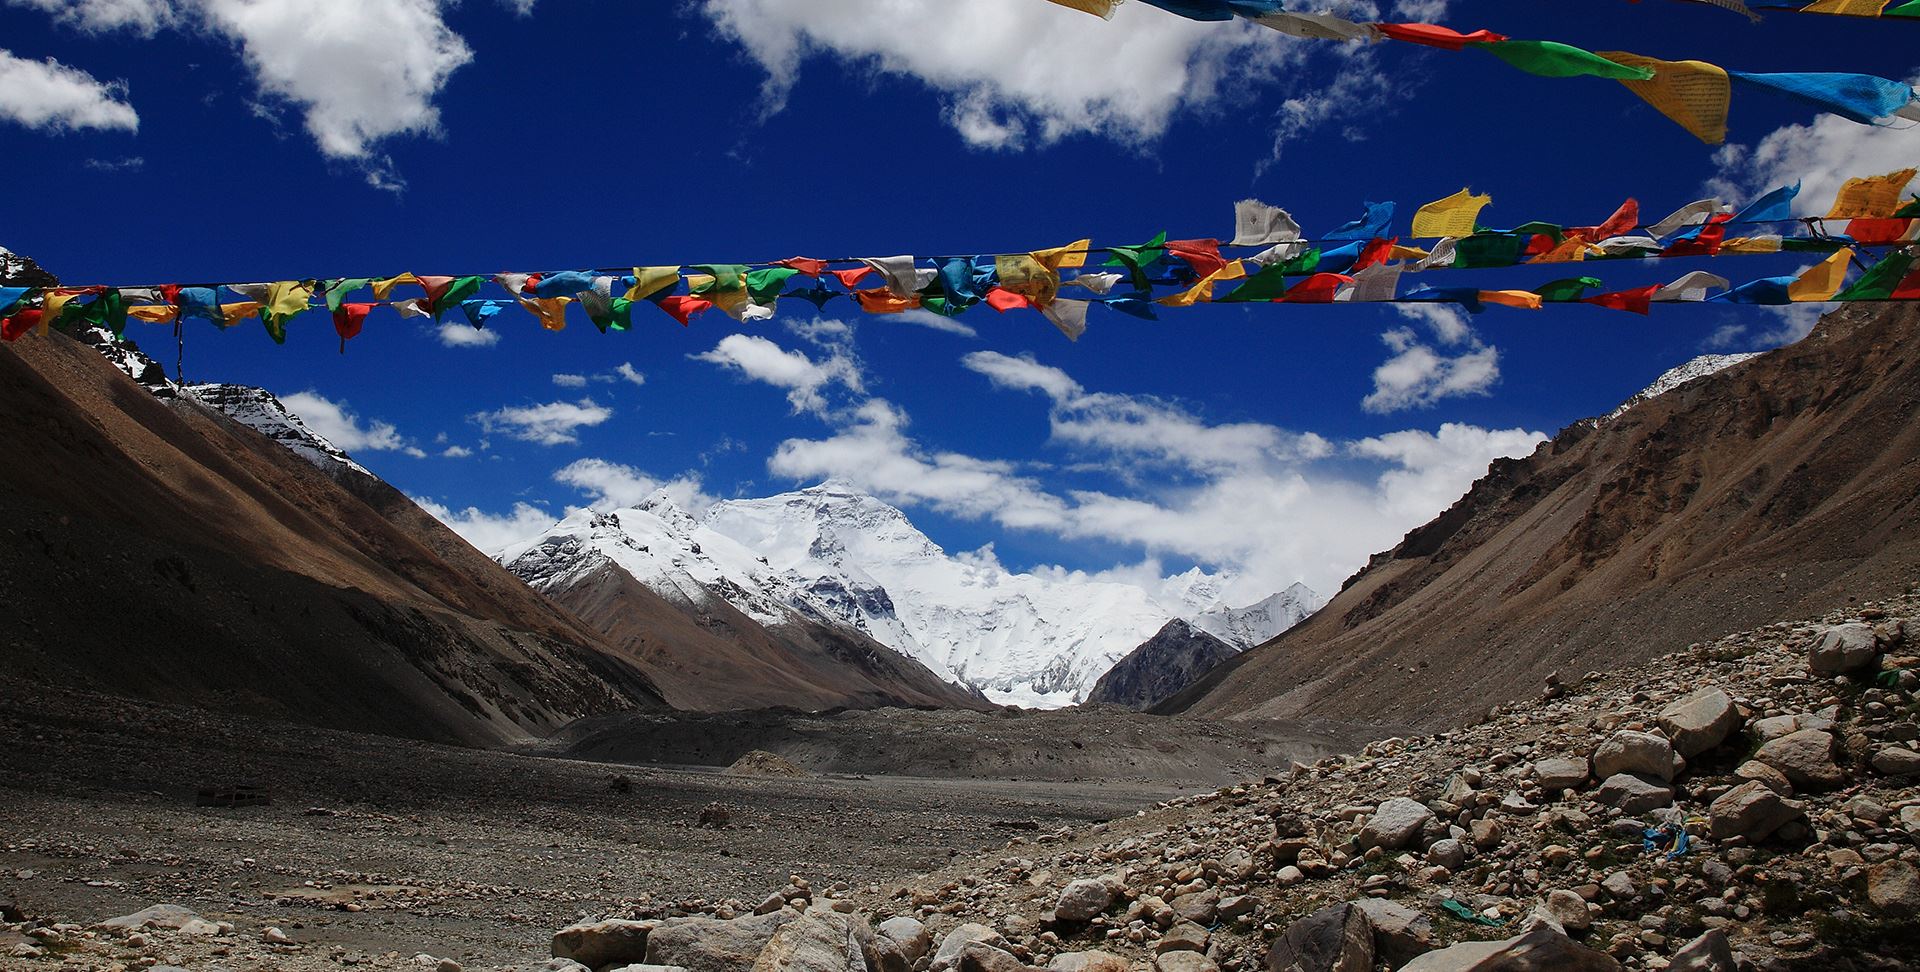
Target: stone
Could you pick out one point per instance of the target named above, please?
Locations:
(957, 941)
(1396, 823)
(1542, 948)
(1184, 962)
(1399, 932)
(158, 916)
(1620, 885)
(712, 944)
(1639, 753)
(576, 967)
(1895, 761)
(1760, 772)
(1569, 909)
(1700, 721)
(981, 957)
(771, 903)
(1843, 649)
(1634, 794)
(1238, 906)
(1087, 962)
(1805, 758)
(1751, 810)
(1448, 853)
(1710, 952)
(1236, 864)
(1200, 907)
(1084, 899)
(1487, 833)
(818, 941)
(1557, 775)
(1337, 938)
(615, 941)
(1893, 886)
(911, 937)
(274, 936)
(1184, 935)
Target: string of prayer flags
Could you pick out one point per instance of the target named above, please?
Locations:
(1892, 278)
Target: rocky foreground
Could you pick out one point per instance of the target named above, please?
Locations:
(1753, 803)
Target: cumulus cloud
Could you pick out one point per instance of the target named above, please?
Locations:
(805, 380)
(456, 452)
(554, 423)
(928, 319)
(1820, 155)
(1432, 469)
(613, 485)
(456, 335)
(336, 422)
(570, 381)
(51, 96)
(1420, 374)
(491, 533)
(144, 17)
(627, 373)
(1015, 73)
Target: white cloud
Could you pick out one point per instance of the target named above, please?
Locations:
(461, 335)
(1022, 374)
(144, 17)
(627, 373)
(490, 533)
(555, 423)
(456, 452)
(570, 381)
(805, 379)
(1015, 73)
(336, 422)
(1820, 155)
(613, 485)
(1434, 468)
(52, 96)
(928, 319)
(1418, 375)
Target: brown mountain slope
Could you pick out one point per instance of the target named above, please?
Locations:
(161, 550)
(714, 658)
(1772, 490)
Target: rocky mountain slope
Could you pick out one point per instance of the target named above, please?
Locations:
(1169, 661)
(159, 549)
(1763, 491)
(836, 557)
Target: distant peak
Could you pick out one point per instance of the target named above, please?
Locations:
(836, 487)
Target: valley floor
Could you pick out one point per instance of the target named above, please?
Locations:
(374, 846)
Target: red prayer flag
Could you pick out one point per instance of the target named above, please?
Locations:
(1004, 300)
(684, 307)
(12, 328)
(1706, 243)
(851, 278)
(1872, 231)
(348, 319)
(1631, 301)
(533, 280)
(1202, 255)
(1539, 243)
(1317, 289)
(1623, 221)
(1909, 287)
(806, 265)
(1375, 252)
(1434, 35)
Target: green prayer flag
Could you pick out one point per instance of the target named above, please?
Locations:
(456, 294)
(337, 290)
(1809, 245)
(1570, 289)
(727, 278)
(764, 285)
(618, 315)
(1138, 258)
(1909, 9)
(1551, 59)
(1488, 250)
(109, 310)
(1912, 208)
(1879, 281)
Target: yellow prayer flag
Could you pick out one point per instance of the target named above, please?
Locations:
(1844, 8)
(55, 302)
(153, 313)
(381, 288)
(1099, 8)
(235, 313)
(552, 311)
(288, 297)
(1569, 251)
(1452, 216)
(652, 280)
(1822, 280)
(1875, 197)
(1025, 274)
(1202, 292)
(1692, 93)
(1523, 299)
(1751, 244)
(697, 282)
(1407, 253)
(1069, 257)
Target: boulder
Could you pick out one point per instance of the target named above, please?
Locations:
(1541, 948)
(957, 940)
(1639, 753)
(1893, 887)
(1087, 962)
(1199, 907)
(1556, 775)
(1843, 649)
(900, 942)
(1805, 758)
(159, 916)
(1751, 810)
(1568, 909)
(1895, 761)
(1760, 772)
(1184, 936)
(597, 943)
(1700, 721)
(1399, 932)
(1396, 823)
(1084, 899)
(1184, 962)
(981, 957)
(1337, 938)
(818, 941)
(1710, 952)
(714, 945)
(1634, 794)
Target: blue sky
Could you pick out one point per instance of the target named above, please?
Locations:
(235, 140)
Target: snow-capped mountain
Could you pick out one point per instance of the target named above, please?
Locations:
(260, 410)
(833, 554)
(1699, 367)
